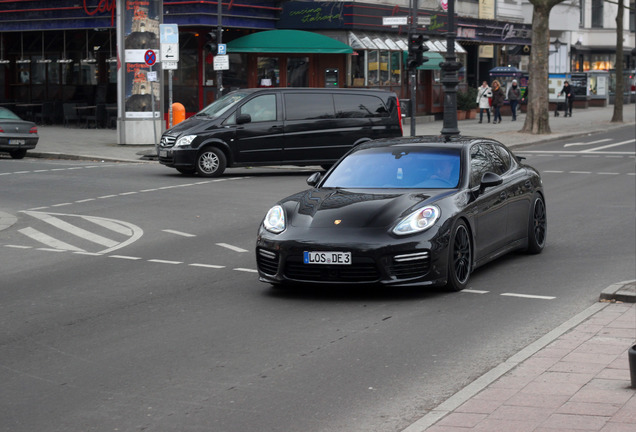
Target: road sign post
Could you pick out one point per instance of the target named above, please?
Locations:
(169, 39)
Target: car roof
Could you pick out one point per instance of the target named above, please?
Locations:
(315, 90)
(432, 141)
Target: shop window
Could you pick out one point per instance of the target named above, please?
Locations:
(268, 71)
(38, 72)
(236, 77)
(373, 68)
(357, 69)
(298, 72)
(396, 67)
(384, 68)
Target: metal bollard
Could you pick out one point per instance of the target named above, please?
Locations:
(632, 364)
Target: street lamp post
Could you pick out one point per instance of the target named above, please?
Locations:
(557, 47)
(449, 77)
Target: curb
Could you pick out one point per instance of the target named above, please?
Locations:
(65, 156)
(620, 292)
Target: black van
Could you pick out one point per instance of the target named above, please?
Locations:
(279, 126)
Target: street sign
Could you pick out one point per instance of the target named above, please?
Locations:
(168, 33)
(395, 20)
(152, 76)
(221, 62)
(222, 49)
(169, 65)
(424, 20)
(150, 57)
(170, 52)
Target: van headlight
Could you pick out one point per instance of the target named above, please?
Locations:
(185, 141)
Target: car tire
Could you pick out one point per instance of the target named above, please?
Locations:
(187, 171)
(537, 226)
(211, 162)
(460, 250)
(18, 154)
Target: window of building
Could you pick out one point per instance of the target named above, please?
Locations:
(396, 67)
(268, 71)
(357, 68)
(373, 68)
(597, 13)
(298, 72)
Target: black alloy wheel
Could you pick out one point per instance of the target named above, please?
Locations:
(460, 259)
(537, 226)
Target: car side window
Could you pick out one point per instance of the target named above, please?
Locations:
(308, 106)
(359, 106)
(479, 164)
(501, 160)
(261, 108)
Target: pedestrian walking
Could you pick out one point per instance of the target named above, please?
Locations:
(514, 94)
(484, 93)
(497, 101)
(569, 98)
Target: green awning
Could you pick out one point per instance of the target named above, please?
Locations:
(434, 59)
(287, 41)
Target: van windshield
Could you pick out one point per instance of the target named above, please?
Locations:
(220, 106)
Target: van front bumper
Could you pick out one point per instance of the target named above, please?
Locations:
(177, 157)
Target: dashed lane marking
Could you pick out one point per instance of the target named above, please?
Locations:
(234, 248)
(528, 296)
(179, 233)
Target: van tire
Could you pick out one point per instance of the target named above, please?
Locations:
(211, 162)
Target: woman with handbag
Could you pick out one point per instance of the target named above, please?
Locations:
(483, 94)
(497, 101)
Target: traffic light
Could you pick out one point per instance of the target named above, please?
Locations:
(211, 45)
(417, 48)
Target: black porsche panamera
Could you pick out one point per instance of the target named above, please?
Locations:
(414, 211)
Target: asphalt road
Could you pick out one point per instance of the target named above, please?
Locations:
(129, 301)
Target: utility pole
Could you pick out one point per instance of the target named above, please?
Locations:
(412, 67)
(219, 37)
(449, 77)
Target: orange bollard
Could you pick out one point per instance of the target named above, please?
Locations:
(178, 113)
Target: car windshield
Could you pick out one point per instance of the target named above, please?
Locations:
(6, 114)
(397, 167)
(218, 107)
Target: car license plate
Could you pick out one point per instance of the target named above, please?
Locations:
(339, 258)
(163, 153)
(17, 142)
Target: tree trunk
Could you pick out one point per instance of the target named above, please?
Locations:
(537, 117)
(617, 117)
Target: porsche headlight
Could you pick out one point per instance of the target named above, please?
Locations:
(419, 220)
(185, 140)
(275, 220)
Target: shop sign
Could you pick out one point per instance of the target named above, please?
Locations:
(100, 6)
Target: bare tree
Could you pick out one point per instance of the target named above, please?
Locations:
(537, 118)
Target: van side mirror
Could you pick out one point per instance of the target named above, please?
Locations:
(489, 179)
(243, 118)
(313, 179)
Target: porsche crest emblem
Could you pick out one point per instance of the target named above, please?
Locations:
(337, 221)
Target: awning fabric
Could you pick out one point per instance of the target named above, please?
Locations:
(287, 41)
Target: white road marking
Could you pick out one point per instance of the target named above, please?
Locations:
(475, 291)
(528, 296)
(111, 225)
(132, 258)
(18, 246)
(72, 229)
(48, 240)
(164, 261)
(608, 146)
(207, 265)
(587, 143)
(234, 248)
(179, 233)
(245, 270)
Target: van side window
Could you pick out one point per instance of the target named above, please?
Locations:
(261, 108)
(308, 106)
(359, 106)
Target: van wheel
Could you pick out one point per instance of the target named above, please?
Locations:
(211, 162)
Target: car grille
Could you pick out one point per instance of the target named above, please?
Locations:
(267, 261)
(361, 270)
(410, 265)
(167, 141)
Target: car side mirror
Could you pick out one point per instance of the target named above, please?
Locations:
(489, 179)
(313, 179)
(243, 118)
